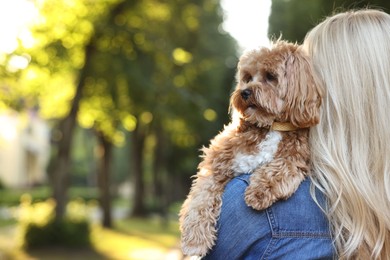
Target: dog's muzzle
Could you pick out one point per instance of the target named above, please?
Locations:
(245, 94)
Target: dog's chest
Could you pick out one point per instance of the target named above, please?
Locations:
(246, 163)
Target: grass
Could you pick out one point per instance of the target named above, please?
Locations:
(165, 234)
(7, 222)
(11, 197)
(129, 239)
(134, 239)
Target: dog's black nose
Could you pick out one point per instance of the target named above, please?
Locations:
(246, 93)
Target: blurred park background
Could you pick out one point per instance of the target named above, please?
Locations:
(104, 105)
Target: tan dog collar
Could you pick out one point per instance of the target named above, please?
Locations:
(283, 127)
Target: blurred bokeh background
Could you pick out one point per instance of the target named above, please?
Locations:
(104, 105)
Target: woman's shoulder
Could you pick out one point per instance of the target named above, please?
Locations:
(299, 215)
(295, 228)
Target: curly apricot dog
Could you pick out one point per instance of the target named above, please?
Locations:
(276, 100)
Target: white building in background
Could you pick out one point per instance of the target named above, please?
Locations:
(24, 149)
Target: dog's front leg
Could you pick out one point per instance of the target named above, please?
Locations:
(199, 215)
(277, 180)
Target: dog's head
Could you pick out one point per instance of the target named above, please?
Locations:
(277, 85)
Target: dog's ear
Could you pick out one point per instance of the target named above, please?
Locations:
(304, 92)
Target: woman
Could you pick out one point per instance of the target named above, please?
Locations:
(351, 146)
(350, 159)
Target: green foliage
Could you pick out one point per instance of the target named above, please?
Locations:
(141, 62)
(39, 228)
(156, 71)
(65, 233)
(292, 19)
(55, 51)
(160, 65)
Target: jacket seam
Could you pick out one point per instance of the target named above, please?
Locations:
(301, 234)
(276, 233)
(272, 242)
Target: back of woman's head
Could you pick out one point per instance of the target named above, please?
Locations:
(351, 145)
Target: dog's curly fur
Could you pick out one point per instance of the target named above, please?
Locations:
(274, 85)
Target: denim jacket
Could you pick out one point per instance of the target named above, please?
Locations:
(295, 228)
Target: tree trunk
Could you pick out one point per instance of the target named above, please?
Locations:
(60, 177)
(137, 144)
(60, 174)
(61, 164)
(105, 152)
(159, 178)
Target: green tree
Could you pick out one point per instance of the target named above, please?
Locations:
(153, 74)
(167, 71)
(292, 19)
(60, 58)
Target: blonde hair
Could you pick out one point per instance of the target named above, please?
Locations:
(351, 145)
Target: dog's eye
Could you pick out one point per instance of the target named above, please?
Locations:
(270, 76)
(247, 78)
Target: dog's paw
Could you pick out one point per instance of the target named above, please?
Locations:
(258, 199)
(197, 237)
(199, 250)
